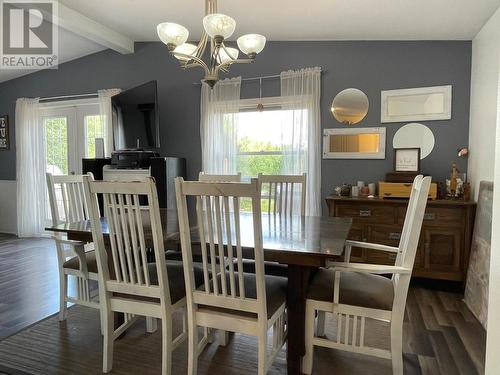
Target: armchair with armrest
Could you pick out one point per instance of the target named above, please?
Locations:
(354, 292)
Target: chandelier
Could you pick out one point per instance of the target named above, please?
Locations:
(217, 29)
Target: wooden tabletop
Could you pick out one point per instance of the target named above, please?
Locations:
(308, 240)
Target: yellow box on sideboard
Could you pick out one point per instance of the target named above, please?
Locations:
(401, 190)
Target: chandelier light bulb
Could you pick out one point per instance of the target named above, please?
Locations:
(172, 34)
(251, 44)
(219, 25)
(224, 57)
(186, 49)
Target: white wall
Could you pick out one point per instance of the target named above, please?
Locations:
(8, 207)
(483, 104)
(484, 162)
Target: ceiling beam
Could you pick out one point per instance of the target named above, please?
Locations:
(79, 24)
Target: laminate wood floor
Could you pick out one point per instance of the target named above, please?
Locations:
(441, 336)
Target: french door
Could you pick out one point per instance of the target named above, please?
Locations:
(69, 136)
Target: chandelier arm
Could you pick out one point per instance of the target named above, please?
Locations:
(199, 61)
(200, 48)
(227, 52)
(237, 61)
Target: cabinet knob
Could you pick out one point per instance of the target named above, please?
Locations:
(394, 236)
(429, 216)
(365, 213)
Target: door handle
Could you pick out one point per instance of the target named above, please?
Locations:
(72, 172)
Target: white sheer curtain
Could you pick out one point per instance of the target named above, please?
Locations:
(218, 126)
(30, 169)
(106, 113)
(300, 91)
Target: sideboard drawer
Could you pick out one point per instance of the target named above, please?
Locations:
(367, 213)
(437, 216)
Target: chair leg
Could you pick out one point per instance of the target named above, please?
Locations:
(222, 337)
(192, 347)
(63, 292)
(166, 345)
(320, 324)
(397, 347)
(307, 360)
(109, 323)
(262, 355)
(151, 324)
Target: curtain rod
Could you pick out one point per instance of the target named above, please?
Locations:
(251, 78)
(257, 78)
(76, 96)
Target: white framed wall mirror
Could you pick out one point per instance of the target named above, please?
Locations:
(356, 143)
(417, 104)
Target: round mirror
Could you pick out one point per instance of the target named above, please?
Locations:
(415, 135)
(350, 106)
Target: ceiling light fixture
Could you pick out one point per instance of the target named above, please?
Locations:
(217, 29)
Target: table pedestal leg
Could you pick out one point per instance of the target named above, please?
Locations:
(298, 280)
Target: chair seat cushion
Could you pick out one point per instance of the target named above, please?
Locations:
(271, 268)
(74, 263)
(358, 289)
(276, 288)
(176, 282)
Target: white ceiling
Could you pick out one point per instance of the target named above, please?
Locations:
(277, 20)
(301, 20)
(71, 47)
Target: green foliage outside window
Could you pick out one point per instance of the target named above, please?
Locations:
(56, 146)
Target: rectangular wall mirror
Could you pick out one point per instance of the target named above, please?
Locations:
(418, 104)
(358, 143)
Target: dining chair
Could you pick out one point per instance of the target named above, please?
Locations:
(354, 292)
(128, 283)
(279, 190)
(76, 259)
(229, 300)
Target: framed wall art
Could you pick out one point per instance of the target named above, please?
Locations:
(4, 133)
(407, 160)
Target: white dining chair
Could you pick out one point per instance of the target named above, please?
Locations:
(354, 292)
(281, 193)
(128, 283)
(75, 258)
(278, 191)
(229, 300)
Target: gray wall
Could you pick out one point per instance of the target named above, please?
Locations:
(369, 66)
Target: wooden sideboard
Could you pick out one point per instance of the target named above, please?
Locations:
(443, 250)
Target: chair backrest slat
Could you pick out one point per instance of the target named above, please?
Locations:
(129, 223)
(219, 225)
(409, 238)
(66, 196)
(281, 195)
(413, 221)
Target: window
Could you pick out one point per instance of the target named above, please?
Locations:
(94, 128)
(70, 131)
(268, 142)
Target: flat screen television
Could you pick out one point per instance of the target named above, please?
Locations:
(136, 120)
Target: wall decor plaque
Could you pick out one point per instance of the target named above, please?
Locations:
(4, 133)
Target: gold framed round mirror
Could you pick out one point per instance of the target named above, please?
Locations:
(350, 106)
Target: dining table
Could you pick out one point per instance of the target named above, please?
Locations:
(303, 243)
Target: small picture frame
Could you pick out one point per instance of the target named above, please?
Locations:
(4, 133)
(407, 160)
